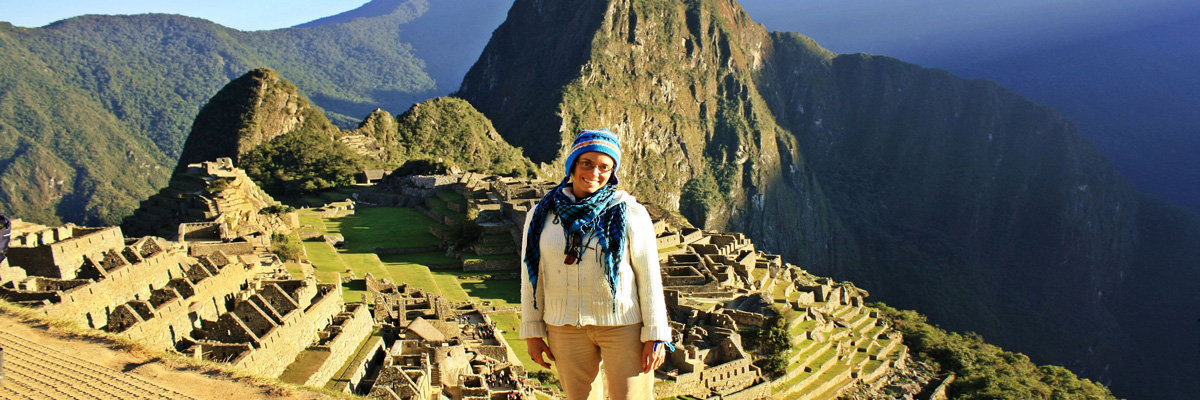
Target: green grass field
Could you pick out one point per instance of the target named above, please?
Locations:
(391, 227)
(509, 323)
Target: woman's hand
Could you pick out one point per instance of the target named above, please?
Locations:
(537, 346)
(652, 356)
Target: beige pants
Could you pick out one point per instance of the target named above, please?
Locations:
(579, 350)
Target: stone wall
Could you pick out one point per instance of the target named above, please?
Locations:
(204, 298)
(494, 250)
(232, 249)
(202, 231)
(278, 348)
(89, 305)
(348, 330)
(62, 258)
(668, 239)
(9, 273)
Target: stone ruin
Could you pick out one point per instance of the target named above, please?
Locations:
(215, 306)
(217, 294)
(454, 350)
(215, 200)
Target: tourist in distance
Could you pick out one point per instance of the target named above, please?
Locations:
(590, 283)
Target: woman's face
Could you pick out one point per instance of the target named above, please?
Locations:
(591, 172)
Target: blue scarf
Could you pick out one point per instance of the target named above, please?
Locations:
(591, 217)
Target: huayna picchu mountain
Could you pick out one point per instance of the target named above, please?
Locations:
(954, 197)
(263, 124)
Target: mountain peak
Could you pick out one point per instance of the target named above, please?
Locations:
(247, 112)
(373, 8)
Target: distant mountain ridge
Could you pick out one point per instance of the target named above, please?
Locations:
(1128, 84)
(126, 89)
(954, 197)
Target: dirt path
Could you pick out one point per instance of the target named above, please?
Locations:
(44, 363)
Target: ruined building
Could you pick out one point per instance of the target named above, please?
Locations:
(439, 347)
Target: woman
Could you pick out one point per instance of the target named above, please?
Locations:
(591, 288)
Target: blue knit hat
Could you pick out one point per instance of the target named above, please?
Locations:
(601, 140)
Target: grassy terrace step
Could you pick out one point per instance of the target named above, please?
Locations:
(859, 320)
(845, 312)
(798, 362)
(804, 347)
(875, 331)
(451, 196)
(816, 365)
(873, 370)
(305, 365)
(802, 327)
(835, 379)
(510, 256)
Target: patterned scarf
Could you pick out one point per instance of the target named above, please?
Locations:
(592, 217)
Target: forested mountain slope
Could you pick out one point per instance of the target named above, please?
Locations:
(95, 109)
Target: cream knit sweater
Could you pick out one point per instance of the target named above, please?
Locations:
(579, 294)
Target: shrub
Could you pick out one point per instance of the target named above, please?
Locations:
(287, 247)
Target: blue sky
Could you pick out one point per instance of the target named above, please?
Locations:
(239, 14)
(916, 28)
(912, 29)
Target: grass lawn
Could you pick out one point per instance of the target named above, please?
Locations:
(416, 275)
(501, 292)
(294, 269)
(391, 227)
(327, 263)
(427, 259)
(310, 217)
(388, 227)
(509, 323)
(447, 281)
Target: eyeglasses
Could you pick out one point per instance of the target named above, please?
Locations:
(588, 165)
(575, 240)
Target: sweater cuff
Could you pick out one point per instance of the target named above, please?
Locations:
(533, 329)
(656, 332)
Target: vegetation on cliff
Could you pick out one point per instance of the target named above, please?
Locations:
(984, 371)
(450, 130)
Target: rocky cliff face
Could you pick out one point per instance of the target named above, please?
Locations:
(954, 197)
